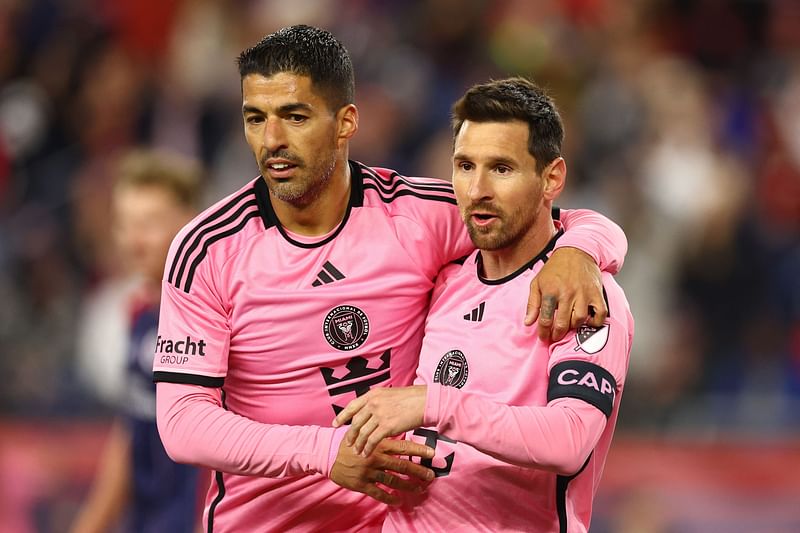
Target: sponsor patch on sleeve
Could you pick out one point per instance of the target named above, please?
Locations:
(585, 381)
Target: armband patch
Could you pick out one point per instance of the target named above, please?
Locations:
(584, 381)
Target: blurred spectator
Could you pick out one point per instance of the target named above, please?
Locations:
(154, 195)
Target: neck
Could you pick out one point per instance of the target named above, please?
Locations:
(324, 212)
(498, 264)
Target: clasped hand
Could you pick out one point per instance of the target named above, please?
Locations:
(368, 461)
(382, 413)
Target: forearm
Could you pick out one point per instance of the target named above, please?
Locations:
(112, 484)
(196, 429)
(596, 235)
(558, 437)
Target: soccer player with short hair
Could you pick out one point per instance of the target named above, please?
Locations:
(307, 288)
(521, 426)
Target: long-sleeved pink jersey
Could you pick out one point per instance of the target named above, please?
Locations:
(265, 335)
(521, 427)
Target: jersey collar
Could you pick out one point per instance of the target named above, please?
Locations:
(270, 219)
(541, 256)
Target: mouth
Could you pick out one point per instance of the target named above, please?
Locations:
(279, 168)
(482, 219)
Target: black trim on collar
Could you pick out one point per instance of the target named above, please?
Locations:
(270, 219)
(264, 205)
(541, 256)
(356, 184)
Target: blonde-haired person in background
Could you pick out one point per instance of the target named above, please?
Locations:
(137, 486)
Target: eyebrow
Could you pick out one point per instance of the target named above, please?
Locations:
(493, 160)
(289, 108)
(503, 161)
(284, 109)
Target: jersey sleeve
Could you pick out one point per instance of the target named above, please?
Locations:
(554, 438)
(430, 227)
(196, 429)
(586, 376)
(596, 235)
(590, 364)
(193, 332)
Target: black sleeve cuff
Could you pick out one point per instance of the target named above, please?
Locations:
(188, 379)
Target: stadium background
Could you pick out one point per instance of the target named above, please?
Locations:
(683, 125)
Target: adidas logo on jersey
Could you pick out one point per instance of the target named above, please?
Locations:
(476, 315)
(328, 274)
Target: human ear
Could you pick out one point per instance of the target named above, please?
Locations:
(555, 177)
(347, 121)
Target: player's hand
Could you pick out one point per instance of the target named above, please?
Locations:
(381, 413)
(565, 294)
(370, 474)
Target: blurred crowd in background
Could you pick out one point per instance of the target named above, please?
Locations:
(683, 125)
(682, 121)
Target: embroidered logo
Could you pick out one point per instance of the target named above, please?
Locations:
(346, 327)
(452, 369)
(591, 339)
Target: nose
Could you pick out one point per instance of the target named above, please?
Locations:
(479, 187)
(274, 135)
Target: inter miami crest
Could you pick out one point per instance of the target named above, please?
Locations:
(346, 327)
(591, 339)
(452, 369)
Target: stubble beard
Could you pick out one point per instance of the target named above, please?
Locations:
(508, 229)
(306, 188)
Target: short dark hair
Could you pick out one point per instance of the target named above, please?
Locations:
(305, 51)
(515, 99)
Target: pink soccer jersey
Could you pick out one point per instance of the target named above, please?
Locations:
(283, 331)
(521, 427)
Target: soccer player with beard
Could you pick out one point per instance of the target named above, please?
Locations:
(309, 287)
(521, 426)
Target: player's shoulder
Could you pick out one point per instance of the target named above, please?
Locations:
(396, 192)
(454, 280)
(461, 269)
(217, 230)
